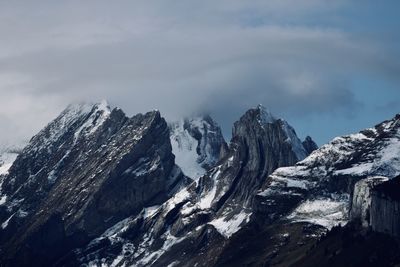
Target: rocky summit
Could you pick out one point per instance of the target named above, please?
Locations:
(87, 170)
(97, 188)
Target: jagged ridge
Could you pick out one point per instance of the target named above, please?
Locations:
(87, 170)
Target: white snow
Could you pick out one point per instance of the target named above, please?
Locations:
(7, 159)
(327, 212)
(184, 148)
(169, 241)
(360, 169)
(207, 199)
(291, 182)
(150, 211)
(228, 227)
(179, 197)
(193, 155)
(5, 223)
(4, 168)
(3, 200)
(386, 162)
(99, 115)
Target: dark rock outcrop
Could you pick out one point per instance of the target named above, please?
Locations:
(194, 226)
(309, 145)
(351, 245)
(385, 207)
(87, 170)
(361, 200)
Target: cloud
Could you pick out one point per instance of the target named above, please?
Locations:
(181, 57)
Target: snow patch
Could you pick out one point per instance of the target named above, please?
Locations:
(150, 211)
(5, 223)
(184, 148)
(327, 212)
(6, 161)
(207, 199)
(3, 200)
(228, 227)
(169, 241)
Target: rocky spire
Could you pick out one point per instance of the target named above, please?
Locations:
(309, 145)
(88, 169)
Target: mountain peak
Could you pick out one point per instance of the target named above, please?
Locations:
(197, 143)
(264, 115)
(309, 145)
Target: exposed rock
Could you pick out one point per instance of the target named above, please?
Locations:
(197, 144)
(201, 218)
(385, 207)
(329, 174)
(309, 145)
(97, 188)
(87, 170)
(351, 245)
(361, 202)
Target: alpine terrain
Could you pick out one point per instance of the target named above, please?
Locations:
(98, 188)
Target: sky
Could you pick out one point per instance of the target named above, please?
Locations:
(328, 67)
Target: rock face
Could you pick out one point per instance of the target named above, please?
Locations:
(197, 144)
(385, 207)
(315, 192)
(98, 188)
(361, 201)
(327, 177)
(87, 170)
(309, 145)
(195, 225)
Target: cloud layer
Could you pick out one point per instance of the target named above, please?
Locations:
(184, 57)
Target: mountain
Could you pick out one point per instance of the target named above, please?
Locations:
(195, 224)
(297, 205)
(98, 188)
(327, 177)
(84, 172)
(197, 144)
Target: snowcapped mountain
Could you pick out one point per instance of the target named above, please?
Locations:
(326, 179)
(208, 212)
(296, 205)
(87, 170)
(197, 144)
(97, 188)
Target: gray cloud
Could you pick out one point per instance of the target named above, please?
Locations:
(181, 57)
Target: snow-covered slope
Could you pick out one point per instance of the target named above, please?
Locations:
(7, 157)
(328, 175)
(212, 209)
(197, 144)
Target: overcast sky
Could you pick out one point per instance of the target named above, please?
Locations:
(328, 67)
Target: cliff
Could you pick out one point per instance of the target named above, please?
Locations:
(385, 207)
